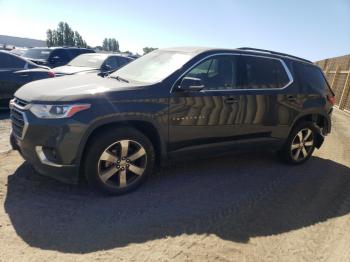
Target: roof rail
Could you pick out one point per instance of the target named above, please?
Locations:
(273, 52)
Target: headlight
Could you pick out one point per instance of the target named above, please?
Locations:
(57, 111)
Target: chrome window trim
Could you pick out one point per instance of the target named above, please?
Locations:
(291, 80)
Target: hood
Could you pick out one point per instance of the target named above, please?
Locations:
(71, 88)
(70, 70)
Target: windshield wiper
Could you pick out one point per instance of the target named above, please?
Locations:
(120, 79)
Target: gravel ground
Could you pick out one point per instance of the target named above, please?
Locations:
(4, 131)
(241, 207)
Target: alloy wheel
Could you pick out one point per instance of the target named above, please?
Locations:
(302, 144)
(122, 163)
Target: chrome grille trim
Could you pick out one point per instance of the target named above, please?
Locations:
(19, 122)
(19, 103)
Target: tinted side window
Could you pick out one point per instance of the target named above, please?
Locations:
(217, 73)
(282, 77)
(123, 60)
(11, 61)
(309, 77)
(112, 62)
(263, 73)
(61, 54)
(74, 53)
(31, 66)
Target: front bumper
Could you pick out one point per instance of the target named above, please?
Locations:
(64, 173)
(51, 146)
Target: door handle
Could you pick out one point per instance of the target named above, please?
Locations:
(292, 98)
(23, 75)
(231, 100)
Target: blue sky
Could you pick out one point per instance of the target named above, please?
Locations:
(310, 29)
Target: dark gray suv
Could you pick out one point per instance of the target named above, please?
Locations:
(54, 56)
(173, 102)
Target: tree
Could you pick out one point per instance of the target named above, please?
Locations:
(110, 44)
(115, 45)
(68, 35)
(147, 50)
(60, 34)
(105, 44)
(64, 36)
(50, 38)
(78, 40)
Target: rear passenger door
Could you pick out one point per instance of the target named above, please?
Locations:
(264, 111)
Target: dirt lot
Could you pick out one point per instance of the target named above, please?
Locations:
(4, 131)
(242, 207)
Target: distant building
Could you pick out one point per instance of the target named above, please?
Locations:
(14, 41)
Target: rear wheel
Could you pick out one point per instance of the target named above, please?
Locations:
(119, 161)
(301, 143)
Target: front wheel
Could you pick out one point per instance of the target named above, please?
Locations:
(119, 160)
(300, 144)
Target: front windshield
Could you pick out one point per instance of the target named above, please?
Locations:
(88, 60)
(37, 53)
(153, 67)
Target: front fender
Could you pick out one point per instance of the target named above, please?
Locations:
(124, 119)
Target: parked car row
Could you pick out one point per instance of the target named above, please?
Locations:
(92, 63)
(54, 56)
(16, 71)
(40, 63)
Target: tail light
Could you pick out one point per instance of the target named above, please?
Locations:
(51, 74)
(331, 99)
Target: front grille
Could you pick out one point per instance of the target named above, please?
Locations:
(18, 122)
(18, 118)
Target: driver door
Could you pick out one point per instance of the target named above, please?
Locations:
(206, 116)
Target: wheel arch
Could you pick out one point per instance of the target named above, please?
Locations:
(321, 122)
(151, 130)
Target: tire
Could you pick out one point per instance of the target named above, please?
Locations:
(300, 144)
(131, 148)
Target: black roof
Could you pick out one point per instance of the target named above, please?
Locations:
(273, 52)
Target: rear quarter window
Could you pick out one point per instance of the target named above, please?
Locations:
(310, 78)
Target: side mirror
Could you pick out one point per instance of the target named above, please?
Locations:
(191, 84)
